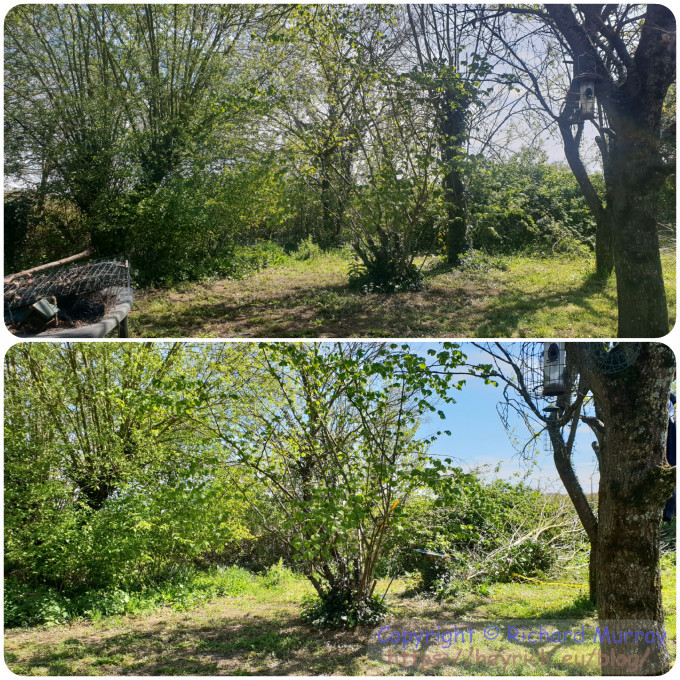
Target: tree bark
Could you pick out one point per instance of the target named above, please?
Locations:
(634, 483)
(604, 251)
(604, 245)
(565, 469)
(453, 129)
(641, 295)
(592, 574)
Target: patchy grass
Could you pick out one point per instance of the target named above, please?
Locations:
(489, 297)
(260, 633)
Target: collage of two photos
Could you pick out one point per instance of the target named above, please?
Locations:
(339, 339)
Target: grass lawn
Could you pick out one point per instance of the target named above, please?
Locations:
(260, 633)
(494, 297)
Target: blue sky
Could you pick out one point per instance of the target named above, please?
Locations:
(478, 437)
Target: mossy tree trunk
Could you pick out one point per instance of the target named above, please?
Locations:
(635, 481)
(453, 130)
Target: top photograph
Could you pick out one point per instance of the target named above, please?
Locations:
(339, 171)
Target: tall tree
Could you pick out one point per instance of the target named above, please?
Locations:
(112, 413)
(451, 45)
(623, 58)
(62, 99)
(108, 481)
(630, 384)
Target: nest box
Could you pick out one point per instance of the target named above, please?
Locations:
(554, 369)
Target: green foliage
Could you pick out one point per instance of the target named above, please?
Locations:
(527, 204)
(44, 605)
(341, 610)
(105, 476)
(528, 559)
(40, 232)
(192, 226)
(17, 217)
(278, 575)
(306, 250)
(385, 267)
(478, 525)
(336, 449)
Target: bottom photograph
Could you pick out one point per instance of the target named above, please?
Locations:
(339, 508)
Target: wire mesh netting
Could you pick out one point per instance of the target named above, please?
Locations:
(73, 281)
(530, 360)
(543, 364)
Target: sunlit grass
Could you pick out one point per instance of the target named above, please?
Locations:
(259, 632)
(496, 297)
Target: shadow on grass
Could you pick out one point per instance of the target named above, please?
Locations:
(221, 646)
(467, 305)
(512, 310)
(580, 608)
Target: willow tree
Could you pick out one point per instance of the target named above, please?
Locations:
(108, 481)
(64, 108)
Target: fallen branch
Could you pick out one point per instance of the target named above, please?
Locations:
(28, 272)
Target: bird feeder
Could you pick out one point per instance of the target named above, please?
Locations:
(551, 411)
(586, 75)
(554, 369)
(587, 98)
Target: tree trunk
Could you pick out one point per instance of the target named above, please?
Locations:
(326, 237)
(604, 245)
(592, 574)
(604, 248)
(634, 168)
(453, 127)
(565, 469)
(635, 480)
(642, 308)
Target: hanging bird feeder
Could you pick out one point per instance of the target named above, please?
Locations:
(554, 369)
(585, 73)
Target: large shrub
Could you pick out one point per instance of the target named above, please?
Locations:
(189, 226)
(527, 203)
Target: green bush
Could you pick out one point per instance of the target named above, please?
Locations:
(530, 558)
(45, 605)
(306, 250)
(278, 575)
(385, 275)
(527, 204)
(385, 265)
(473, 524)
(339, 610)
(41, 605)
(193, 225)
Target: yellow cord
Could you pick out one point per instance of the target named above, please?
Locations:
(569, 585)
